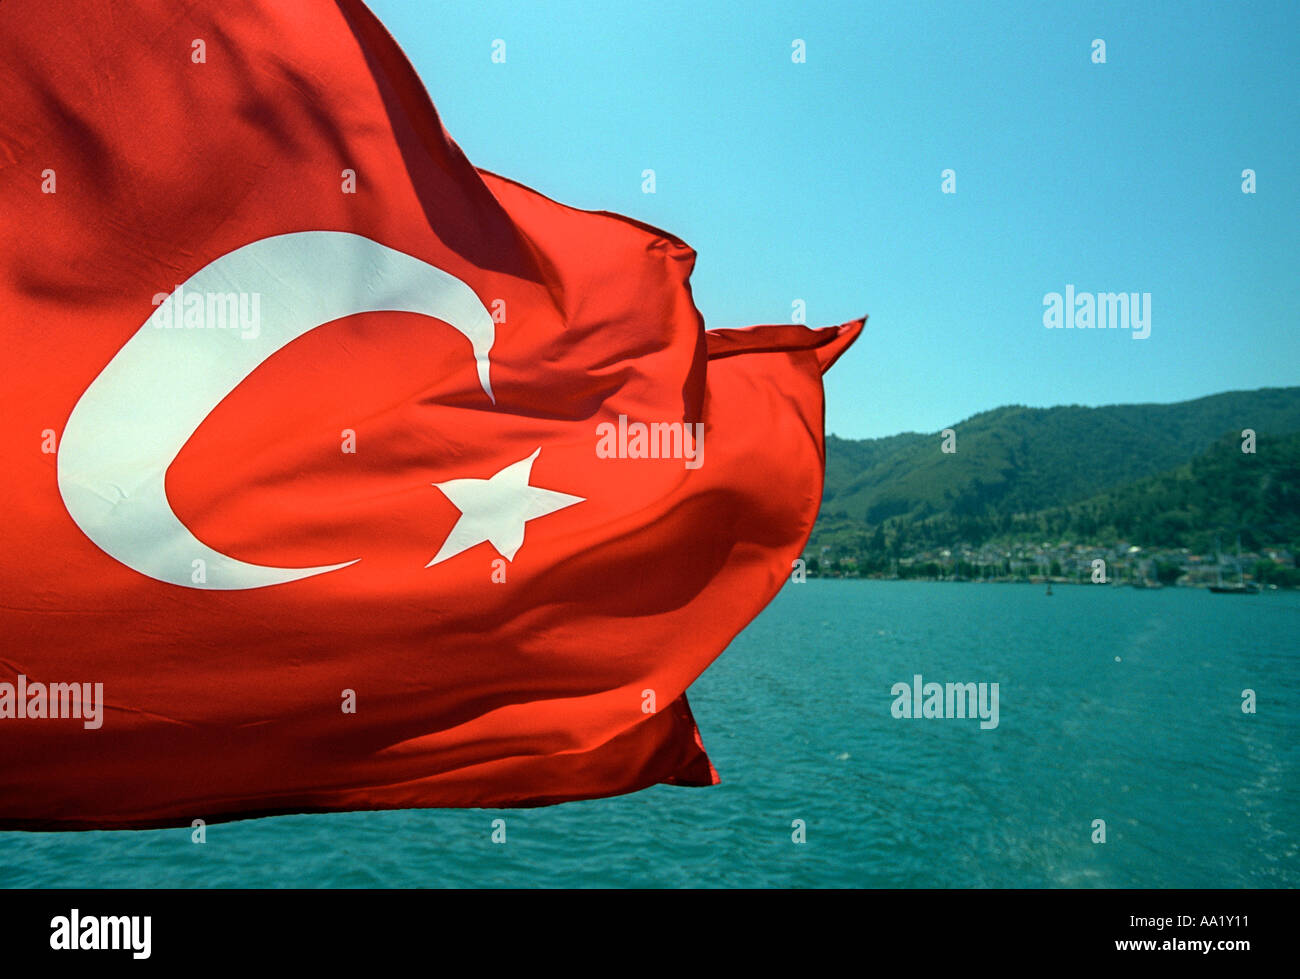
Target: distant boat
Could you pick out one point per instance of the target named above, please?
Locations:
(1240, 587)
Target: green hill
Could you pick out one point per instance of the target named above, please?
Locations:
(1222, 493)
(1120, 470)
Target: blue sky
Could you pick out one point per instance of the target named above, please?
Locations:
(821, 181)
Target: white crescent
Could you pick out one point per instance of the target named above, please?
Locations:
(133, 419)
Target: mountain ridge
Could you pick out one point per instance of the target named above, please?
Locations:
(1014, 461)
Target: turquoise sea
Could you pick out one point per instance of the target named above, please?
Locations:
(1114, 704)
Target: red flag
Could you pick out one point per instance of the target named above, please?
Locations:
(340, 474)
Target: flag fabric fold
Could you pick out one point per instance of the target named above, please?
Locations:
(344, 475)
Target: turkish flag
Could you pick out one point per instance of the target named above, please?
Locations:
(339, 474)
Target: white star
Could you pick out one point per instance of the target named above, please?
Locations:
(496, 509)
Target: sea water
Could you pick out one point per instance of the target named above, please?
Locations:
(1121, 758)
